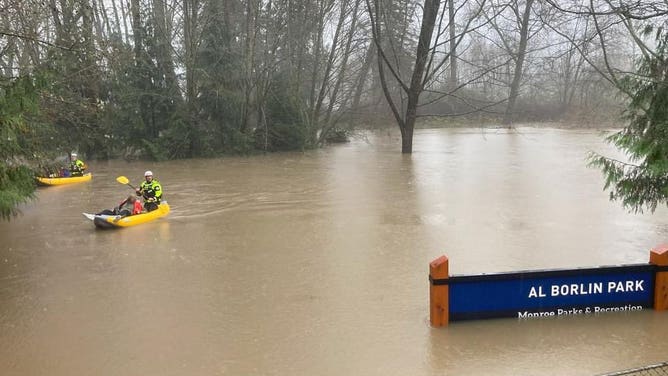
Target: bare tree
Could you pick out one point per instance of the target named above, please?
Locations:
(519, 57)
(405, 117)
(452, 30)
(429, 61)
(190, 20)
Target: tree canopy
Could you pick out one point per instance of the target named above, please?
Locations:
(200, 78)
(642, 181)
(19, 142)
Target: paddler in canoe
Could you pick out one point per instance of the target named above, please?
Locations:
(59, 175)
(112, 218)
(151, 190)
(129, 206)
(77, 166)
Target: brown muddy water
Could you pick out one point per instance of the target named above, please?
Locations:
(316, 263)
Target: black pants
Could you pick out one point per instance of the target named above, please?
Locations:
(122, 213)
(150, 206)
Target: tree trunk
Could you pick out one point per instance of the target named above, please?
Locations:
(57, 23)
(164, 48)
(519, 63)
(117, 20)
(406, 121)
(124, 15)
(430, 11)
(328, 123)
(136, 30)
(99, 12)
(364, 71)
(317, 43)
(91, 80)
(452, 80)
(252, 30)
(189, 22)
(325, 84)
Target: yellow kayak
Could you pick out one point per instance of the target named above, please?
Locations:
(68, 180)
(113, 221)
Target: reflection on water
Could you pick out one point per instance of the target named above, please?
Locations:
(316, 263)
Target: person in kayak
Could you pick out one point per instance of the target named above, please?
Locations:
(129, 206)
(151, 190)
(77, 166)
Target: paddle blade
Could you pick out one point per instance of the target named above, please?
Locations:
(122, 180)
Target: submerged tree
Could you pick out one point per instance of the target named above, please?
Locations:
(403, 108)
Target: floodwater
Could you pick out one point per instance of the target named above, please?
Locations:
(316, 263)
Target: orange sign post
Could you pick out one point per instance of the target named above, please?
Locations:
(438, 293)
(659, 256)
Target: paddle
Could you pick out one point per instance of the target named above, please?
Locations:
(124, 180)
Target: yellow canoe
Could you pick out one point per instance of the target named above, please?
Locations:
(112, 221)
(68, 180)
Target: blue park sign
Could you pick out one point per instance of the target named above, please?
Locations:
(530, 294)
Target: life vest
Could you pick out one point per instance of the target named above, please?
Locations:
(151, 190)
(77, 167)
(134, 208)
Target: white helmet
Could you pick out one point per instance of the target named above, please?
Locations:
(148, 173)
(74, 154)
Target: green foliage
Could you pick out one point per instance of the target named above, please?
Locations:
(174, 143)
(18, 100)
(338, 135)
(158, 95)
(74, 97)
(642, 182)
(287, 128)
(219, 126)
(154, 150)
(121, 116)
(16, 187)
(19, 142)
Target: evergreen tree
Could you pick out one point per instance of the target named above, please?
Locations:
(285, 121)
(74, 70)
(642, 182)
(218, 125)
(19, 143)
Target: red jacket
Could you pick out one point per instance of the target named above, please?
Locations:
(136, 208)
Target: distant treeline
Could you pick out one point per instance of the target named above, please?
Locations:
(190, 78)
(166, 79)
